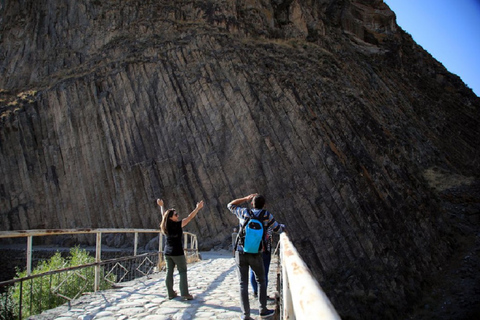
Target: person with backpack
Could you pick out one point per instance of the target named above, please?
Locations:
(172, 227)
(248, 248)
(267, 258)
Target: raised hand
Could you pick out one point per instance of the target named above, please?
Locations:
(160, 202)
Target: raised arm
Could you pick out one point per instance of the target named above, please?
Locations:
(239, 201)
(160, 204)
(192, 214)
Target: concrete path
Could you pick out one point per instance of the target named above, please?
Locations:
(212, 281)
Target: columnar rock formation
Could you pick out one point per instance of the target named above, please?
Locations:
(326, 107)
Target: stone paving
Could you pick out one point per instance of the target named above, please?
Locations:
(212, 281)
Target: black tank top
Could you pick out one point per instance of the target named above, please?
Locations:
(173, 245)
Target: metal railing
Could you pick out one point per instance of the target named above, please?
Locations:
(301, 297)
(109, 270)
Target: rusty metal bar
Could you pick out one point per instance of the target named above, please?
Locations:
(29, 234)
(307, 297)
(51, 232)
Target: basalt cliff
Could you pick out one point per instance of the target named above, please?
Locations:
(363, 144)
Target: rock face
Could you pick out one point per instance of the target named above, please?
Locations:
(326, 107)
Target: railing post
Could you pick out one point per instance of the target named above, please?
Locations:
(185, 241)
(194, 245)
(135, 244)
(160, 248)
(98, 256)
(29, 254)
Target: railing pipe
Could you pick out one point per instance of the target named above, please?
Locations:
(306, 296)
(51, 232)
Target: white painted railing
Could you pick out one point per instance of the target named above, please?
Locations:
(301, 296)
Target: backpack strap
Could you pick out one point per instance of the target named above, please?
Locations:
(263, 215)
(241, 232)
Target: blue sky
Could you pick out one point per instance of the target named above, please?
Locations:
(448, 29)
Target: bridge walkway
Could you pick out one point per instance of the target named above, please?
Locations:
(212, 281)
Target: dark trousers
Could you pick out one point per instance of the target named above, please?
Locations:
(244, 262)
(267, 257)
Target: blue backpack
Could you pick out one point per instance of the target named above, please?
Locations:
(252, 233)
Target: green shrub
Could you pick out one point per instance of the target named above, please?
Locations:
(7, 306)
(50, 291)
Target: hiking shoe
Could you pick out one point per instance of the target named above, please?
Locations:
(187, 297)
(267, 314)
(174, 295)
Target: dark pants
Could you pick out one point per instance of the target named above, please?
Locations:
(244, 262)
(267, 257)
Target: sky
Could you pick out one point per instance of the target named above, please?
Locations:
(448, 29)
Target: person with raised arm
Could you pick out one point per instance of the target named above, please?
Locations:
(172, 226)
(254, 261)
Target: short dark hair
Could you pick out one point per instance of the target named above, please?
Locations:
(258, 201)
